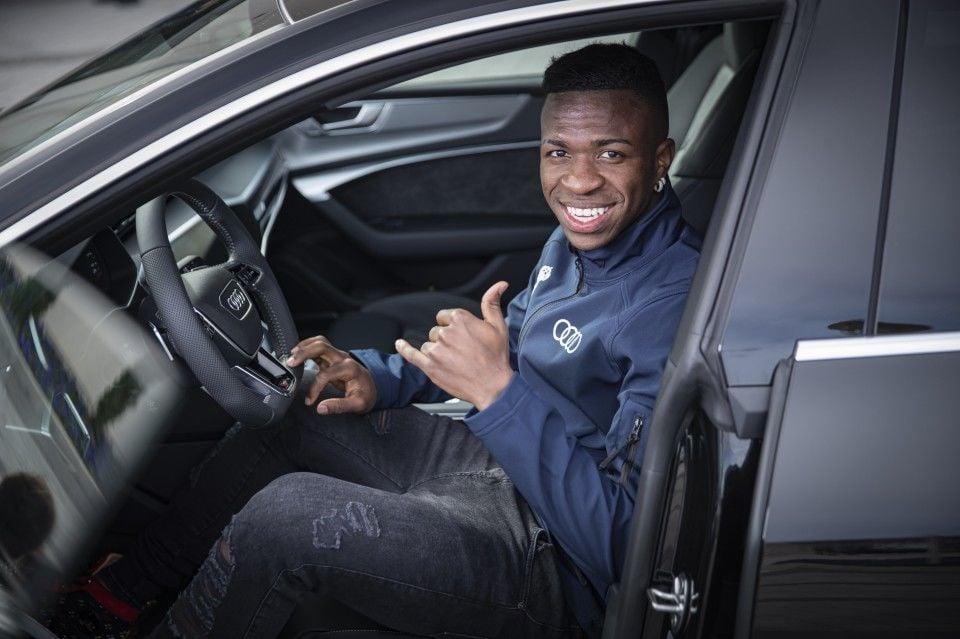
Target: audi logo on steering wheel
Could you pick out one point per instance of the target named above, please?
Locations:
(567, 335)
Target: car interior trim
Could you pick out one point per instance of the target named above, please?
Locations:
(284, 12)
(411, 125)
(162, 340)
(761, 498)
(256, 183)
(273, 211)
(239, 200)
(876, 346)
(293, 82)
(268, 186)
(184, 228)
(316, 188)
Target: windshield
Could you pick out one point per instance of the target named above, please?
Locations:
(185, 37)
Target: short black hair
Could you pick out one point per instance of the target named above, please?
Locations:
(610, 67)
(26, 514)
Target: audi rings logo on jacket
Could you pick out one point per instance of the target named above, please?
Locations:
(567, 335)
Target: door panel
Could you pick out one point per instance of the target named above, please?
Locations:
(861, 525)
(701, 539)
(406, 126)
(472, 205)
(398, 195)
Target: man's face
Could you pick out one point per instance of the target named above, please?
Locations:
(599, 162)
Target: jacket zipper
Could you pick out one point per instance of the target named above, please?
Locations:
(529, 320)
(632, 440)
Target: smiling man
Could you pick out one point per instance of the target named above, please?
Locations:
(565, 386)
(598, 185)
(513, 522)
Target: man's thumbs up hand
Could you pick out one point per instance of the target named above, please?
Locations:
(465, 355)
(490, 306)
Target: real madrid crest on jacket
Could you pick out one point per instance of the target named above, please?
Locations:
(589, 338)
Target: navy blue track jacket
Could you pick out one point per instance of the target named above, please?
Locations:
(589, 339)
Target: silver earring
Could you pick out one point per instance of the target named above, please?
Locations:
(659, 185)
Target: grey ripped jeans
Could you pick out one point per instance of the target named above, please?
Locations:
(400, 515)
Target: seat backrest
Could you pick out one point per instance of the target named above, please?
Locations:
(706, 104)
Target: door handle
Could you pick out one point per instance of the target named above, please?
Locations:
(677, 598)
(365, 117)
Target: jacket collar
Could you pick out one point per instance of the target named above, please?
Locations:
(637, 244)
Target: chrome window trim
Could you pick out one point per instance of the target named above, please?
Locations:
(293, 82)
(815, 350)
(282, 8)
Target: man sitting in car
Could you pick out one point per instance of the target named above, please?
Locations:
(512, 522)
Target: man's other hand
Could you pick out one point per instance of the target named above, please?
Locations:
(339, 370)
(467, 356)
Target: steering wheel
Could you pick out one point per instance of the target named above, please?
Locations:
(212, 314)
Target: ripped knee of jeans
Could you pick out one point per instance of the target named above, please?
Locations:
(192, 615)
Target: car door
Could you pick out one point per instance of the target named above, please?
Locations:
(855, 526)
(792, 254)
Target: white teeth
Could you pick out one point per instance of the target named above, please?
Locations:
(587, 214)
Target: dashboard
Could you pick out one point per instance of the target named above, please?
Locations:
(104, 262)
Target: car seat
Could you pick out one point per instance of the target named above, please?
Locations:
(706, 105)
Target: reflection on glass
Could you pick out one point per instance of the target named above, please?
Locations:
(854, 328)
(26, 516)
(199, 31)
(82, 393)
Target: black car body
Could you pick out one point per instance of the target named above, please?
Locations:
(800, 476)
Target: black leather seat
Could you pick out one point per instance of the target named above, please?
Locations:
(706, 105)
(379, 324)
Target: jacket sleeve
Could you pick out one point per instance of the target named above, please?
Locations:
(586, 509)
(398, 383)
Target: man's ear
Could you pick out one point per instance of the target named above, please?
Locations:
(665, 153)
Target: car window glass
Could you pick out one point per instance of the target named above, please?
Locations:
(525, 63)
(82, 395)
(183, 39)
(808, 265)
(920, 280)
